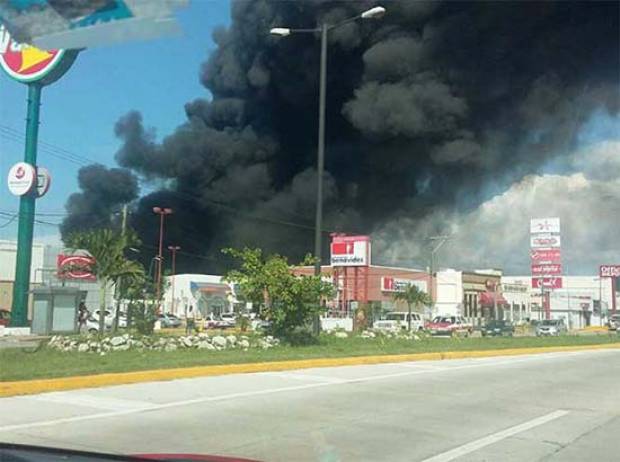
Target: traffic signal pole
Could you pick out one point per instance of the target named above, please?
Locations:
(21, 287)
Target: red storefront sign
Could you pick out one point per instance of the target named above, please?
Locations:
(75, 267)
(545, 256)
(547, 283)
(546, 270)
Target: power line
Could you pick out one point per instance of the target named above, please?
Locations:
(49, 147)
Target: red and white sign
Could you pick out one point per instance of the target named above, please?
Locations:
(545, 241)
(546, 270)
(75, 267)
(544, 225)
(610, 271)
(26, 63)
(547, 283)
(21, 179)
(350, 251)
(389, 284)
(546, 256)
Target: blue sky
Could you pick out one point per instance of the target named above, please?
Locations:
(79, 111)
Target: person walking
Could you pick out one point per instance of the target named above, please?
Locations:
(190, 321)
(83, 315)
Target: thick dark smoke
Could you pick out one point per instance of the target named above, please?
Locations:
(435, 105)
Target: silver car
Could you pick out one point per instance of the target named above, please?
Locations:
(551, 327)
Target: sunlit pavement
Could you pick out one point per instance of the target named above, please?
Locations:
(557, 406)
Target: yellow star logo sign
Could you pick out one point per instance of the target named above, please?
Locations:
(32, 56)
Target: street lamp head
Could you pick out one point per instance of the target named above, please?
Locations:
(373, 13)
(174, 247)
(157, 209)
(167, 211)
(280, 31)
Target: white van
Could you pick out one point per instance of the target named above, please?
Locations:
(398, 320)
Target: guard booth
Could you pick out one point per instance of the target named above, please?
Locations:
(55, 310)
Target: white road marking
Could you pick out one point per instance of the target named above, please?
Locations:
(248, 394)
(495, 437)
(97, 402)
(303, 376)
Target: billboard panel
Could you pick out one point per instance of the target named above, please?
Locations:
(350, 251)
(542, 241)
(547, 283)
(545, 256)
(609, 271)
(544, 225)
(75, 267)
(546, 270)
(390, 284)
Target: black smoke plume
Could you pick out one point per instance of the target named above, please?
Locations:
(436, 104)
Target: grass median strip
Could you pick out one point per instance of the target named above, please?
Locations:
(23, 372)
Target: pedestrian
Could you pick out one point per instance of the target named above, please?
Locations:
(190, 321)
(83, 315)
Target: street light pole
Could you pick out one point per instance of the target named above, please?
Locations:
(318, 222)
(162, 212)
(372, 13)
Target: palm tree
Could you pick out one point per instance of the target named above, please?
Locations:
(107, 248)
(413, 296)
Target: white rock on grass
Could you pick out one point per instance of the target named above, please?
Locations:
(170, 347)
(187, 342)
(205, 346)
(341, 334)
(116, 341)
(232, 340)
(83, 348)
(244, 344)
(219, 341)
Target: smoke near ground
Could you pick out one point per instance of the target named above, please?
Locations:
(433, 110)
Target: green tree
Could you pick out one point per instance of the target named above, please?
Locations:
(287, 300)
(107, 248)
(413, 296)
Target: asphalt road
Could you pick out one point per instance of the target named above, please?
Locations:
(552, 407)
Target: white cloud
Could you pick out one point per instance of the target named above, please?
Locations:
(496, 234)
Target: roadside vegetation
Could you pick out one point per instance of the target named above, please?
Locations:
(22, 364)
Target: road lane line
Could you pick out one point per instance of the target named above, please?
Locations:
(495, 437)
(302, 376)
(96, 402)
(252, 393)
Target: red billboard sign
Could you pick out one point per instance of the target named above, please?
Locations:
(545, 256)
(350, 251)
(75, 267)
(610, 271)
(546, 270)
(547, 283)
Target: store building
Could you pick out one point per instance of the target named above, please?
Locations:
(581, 301)
(209, 294)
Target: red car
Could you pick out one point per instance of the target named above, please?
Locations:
(448, 325)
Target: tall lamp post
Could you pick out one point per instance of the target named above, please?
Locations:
(174, 249)
(373, 13)
(162, 212)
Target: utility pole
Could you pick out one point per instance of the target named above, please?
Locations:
(162, 212)
(174, 249)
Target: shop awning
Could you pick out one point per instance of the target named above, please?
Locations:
(488, 298)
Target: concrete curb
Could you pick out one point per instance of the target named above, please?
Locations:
(29, 387)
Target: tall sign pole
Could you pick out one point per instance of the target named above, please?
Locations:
(36, 68)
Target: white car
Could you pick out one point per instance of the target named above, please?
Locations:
(552, 327)
(109, 318)
(399, 321)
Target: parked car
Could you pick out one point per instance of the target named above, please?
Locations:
(553, 327)
(399, 320)
(496, 328)
(109, 318)
(614, 322)
(449, 325)
(5, 317)
(168, 320)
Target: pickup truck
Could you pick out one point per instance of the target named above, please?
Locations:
(398, 321)
(449, 325)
